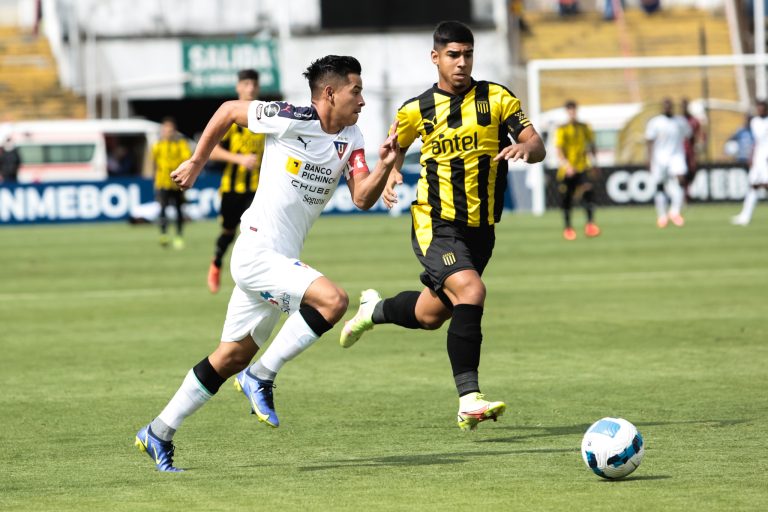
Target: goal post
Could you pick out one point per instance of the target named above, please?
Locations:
(535, 179)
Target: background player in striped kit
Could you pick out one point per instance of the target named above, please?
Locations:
(467, 128)
(242, 150)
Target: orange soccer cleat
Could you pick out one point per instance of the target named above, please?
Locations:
(592, 230)
(569, 234)
(214, 278)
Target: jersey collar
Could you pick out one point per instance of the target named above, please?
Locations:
(472, 85)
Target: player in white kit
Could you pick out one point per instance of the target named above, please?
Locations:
(758, 169)
(665, 135)
(307, 151)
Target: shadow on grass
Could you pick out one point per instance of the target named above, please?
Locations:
(636, 478)
(424, 459)
(541, 431)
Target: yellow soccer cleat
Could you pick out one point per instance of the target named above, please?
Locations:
(474, 408)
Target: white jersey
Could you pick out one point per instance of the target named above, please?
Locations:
(300, 170)
(668, 135)
(759, 128)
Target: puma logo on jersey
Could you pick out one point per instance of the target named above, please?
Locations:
(303, 142)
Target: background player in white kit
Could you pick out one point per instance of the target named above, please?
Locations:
(307, 150)
(665, 135)
(758, 168)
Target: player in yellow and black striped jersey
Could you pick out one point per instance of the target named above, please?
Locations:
(575, 143)
(167, 153)
(242, 150)
(469, 130)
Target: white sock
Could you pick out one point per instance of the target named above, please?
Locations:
(660, 200)
(750, 200)
(294, 338)
(190, 397)
(676, 197)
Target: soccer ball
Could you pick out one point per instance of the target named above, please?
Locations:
(612, 448)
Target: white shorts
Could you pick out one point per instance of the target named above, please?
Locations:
(267, 283)
(675, 166)
(758, 173)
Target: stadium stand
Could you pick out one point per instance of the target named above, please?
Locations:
(29, 83)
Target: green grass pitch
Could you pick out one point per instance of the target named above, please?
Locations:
(666, 328)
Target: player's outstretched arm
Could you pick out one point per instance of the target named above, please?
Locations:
(529, 148)
(229, 112)
(366, 187)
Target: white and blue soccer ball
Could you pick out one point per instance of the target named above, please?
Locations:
(612, 448)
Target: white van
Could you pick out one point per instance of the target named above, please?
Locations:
(84, 150)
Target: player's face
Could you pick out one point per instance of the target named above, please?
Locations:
(761, 110)
(167, 130)
(571, 111)
(454, 66)
(348, 100)
(247, 90)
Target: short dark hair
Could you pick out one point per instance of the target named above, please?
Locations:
(451, 32)
(168, 119)
(247, 74)
(330, 66)
(761, 103)
(570, 104)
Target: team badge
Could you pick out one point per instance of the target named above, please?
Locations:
(341, 147)
(449, 259)
(271, 110)
(483, 107)
(293, 165)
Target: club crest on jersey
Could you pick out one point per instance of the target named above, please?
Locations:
(483, 106)
(341, 147)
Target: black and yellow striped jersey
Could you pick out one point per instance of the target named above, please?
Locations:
(167, 155)
(574, 140)
(237, 178)
(460, 182)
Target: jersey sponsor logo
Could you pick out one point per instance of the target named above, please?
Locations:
(293, 165)
(454, 144)
(341, 147)
(271, 110)
(449, 259)
(317, 173)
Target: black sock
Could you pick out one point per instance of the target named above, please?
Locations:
(207, 376)
(464, 340)
(399, 310)
(222, 243)
(589, 205)
(315, 320)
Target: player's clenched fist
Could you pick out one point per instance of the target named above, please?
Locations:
(185, 174)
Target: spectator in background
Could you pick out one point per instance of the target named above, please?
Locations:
(575, 143)
(740, 144)
(168, 153)
(568, 7)
(10, 161)
(650, 6)
(120, 163)
(611, 8)
(692, 145)
(665, 135)
(758, 169)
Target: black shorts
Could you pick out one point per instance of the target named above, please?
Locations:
(574, 181)
(233, 205)
(450, 249)
(166, 197)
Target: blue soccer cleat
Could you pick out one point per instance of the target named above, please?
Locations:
(259, 393)
(161, 452)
